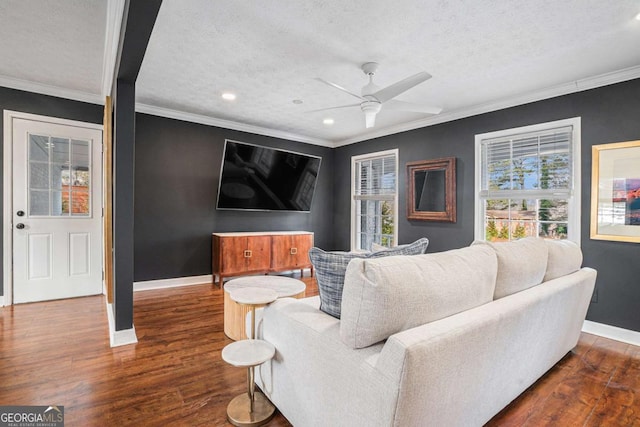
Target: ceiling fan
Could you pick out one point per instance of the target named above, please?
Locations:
(372, 98)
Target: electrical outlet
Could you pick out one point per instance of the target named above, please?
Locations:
(594, 297)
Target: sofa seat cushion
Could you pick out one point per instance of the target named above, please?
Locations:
(388, 295)
(565, 257)
(330, 270)
(521, 264)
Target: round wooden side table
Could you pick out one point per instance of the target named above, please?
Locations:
(251, 408)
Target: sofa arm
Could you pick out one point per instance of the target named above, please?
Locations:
(314, 376)
(463, 369)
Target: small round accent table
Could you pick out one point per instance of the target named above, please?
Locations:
(235, 314)
(251, 408)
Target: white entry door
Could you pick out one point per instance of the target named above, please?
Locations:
(57, 210)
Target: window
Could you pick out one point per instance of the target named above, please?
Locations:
(528, 182)
(59, 176)
(374, 205)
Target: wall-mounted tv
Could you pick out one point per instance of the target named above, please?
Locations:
(254, 177)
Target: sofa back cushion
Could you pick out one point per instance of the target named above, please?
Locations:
(330, 269)
(565, 257)
(521, 264)
(384, 296)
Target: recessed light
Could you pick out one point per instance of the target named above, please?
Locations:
(229, 96)
(328, 122)
(297, 101)
(638, 16)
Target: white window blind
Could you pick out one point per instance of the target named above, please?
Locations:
(536, 164)
(375, 177)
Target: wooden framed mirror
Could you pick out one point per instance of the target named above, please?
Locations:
(431, 190)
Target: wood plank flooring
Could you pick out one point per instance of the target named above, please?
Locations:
(58, 353)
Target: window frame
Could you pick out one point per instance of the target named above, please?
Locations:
(574, 199)
(354, 220)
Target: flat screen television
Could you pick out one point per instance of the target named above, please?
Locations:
(254, 177)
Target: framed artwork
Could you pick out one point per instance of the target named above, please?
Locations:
(615, 192)
(431, 190)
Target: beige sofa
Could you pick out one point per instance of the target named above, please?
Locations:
(442, 339)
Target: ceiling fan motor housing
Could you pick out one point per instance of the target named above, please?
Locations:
(372, 107)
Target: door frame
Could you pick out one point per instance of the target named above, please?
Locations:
(7, 188)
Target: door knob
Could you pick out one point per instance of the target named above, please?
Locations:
(20, 226)
(20, 213)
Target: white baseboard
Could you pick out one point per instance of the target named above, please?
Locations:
(611, 332)
(118, 338)
(171, 283)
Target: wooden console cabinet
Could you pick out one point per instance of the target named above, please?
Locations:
(238, 254)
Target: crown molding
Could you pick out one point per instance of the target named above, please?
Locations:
(547, 93)
(45, 89)
(228, 124)
(115, 11)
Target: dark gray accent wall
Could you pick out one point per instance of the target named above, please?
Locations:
(609, 114)
(28, 102)
(177, 171)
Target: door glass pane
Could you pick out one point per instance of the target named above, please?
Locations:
(80, 154)
(80, 179)
(60, 150)
(39, 175)
(80, 185)
(59, 176)
(39, 202)
(39, 148)
(59, 203)
(80, 202)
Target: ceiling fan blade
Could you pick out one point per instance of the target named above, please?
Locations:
(340, 88)
(370, 119)
(384, 95)
(394, 104)
(333, 108)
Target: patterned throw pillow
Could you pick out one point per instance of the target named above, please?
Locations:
(330, 268)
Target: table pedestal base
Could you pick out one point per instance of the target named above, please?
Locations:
(238, 411)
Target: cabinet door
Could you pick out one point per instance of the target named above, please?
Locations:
(290, 251)
(257, 254)
(232, 255)
(245, 253)
(302, 243)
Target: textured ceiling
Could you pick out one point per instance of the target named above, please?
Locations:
(58, 44)
(483, 55)
(269, 53)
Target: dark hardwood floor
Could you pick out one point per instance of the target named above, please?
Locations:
(58, 353)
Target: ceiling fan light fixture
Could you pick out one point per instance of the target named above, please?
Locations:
(370, 109)
(369, 119)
